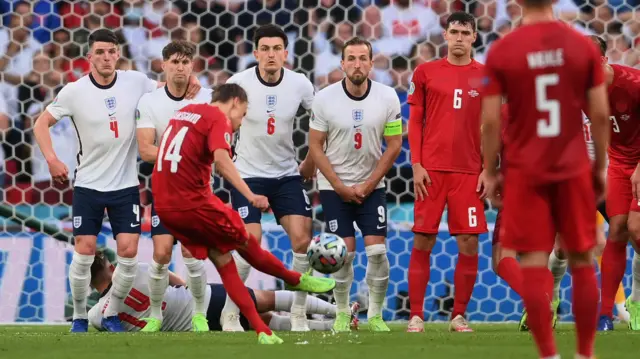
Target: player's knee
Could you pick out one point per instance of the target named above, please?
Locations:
(219, 259)
(300, 242)
(127, 246)
(560, 253)
(633, 223)
(467, 244)
(85, 245)
(618, 230)
(162, 249)
(581, 259)
(424, 242)
(185, 252)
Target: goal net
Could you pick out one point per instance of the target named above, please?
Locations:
(43, 44)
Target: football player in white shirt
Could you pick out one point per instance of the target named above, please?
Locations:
(155, 109)
(102, 107)
(266, 157)
(177, 303)
(350, 119)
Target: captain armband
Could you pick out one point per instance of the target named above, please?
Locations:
(393, 128)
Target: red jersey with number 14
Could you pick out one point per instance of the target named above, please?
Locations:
(545, 71)
(450, 96)
(624, 104)
(182, 174)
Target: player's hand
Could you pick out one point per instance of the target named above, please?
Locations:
(192, 88)
(348, 194)
(599, 184)
(421, 181)
(363, 190)
(58, 170)
(307, 170)
(493, 188)
(635, 183)
(482, 187)
(260, 202)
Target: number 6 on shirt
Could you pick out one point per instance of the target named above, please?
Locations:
(271, 125)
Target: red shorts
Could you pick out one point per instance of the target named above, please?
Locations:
(619, 195)
(532, 214)
(458, 192)
(212, 225)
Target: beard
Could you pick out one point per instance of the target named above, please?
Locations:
(357, 78)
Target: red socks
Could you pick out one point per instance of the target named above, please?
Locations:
(538, 304)
(267, 263)
(509, 270)
(464, 279)
(614, 262)
(240, 295)
(419, 270)
(585, 308)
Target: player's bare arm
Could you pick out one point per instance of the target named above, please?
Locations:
(146, 138)
(227, 169)
(599, 116)
(59, 171)
(394, 146)
(175, 279)
(317, 140)
(307, 168)
(491, 143)
(420, 176)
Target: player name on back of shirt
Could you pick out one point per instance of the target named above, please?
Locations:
(187, 116)
(547, 58)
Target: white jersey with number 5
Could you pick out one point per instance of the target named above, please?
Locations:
(104, 118)
(355, 128)
(265, 144)
(156, 108)
(177, 306)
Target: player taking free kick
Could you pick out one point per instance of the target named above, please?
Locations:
(549, 73)
(198, 135)
(350, 119)
(444, 99)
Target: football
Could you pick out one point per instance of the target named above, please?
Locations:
(326, 253)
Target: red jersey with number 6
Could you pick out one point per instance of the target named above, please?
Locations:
(545, 71)
(182, 174)
(449, 135)
(624, 104)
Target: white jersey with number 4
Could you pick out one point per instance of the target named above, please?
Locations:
(104, 118)
(355, 128)
(265, 146)
(156, 108)
(177, 306)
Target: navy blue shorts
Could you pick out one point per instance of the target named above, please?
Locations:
(157, 228)
(123, 209)
(370, 216)
(286, 197)
(216, 303)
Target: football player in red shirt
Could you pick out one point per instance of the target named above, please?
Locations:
(623, 189)
(444, 99)
(196, 136)
(549, 73)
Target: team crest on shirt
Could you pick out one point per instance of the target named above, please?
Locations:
(243, 211)
(473, 93)
(412, 87)
(625, 117)
(272, 100)
(77, 221)
(110, 103)
(358, 115)
(155, 221)
(333, 225)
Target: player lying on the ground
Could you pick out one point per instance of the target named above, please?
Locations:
(197, 136)
(178, 306)
(154, 111)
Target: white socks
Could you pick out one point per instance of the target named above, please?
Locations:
(122, 282)
(79, 280)
(300, 265)
(377, 277)
(158, 283)
(243, 270)
(314, 305)
(635, 287)
(558, 268)
(344, 279)
(197, 283)
(283, 323)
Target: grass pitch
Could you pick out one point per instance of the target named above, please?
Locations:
(490, 341)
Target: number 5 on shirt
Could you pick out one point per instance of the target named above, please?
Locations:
(546, 128)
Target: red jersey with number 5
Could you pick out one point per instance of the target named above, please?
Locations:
(545, 71)
(182, 174)
(624, 104)
(450, 96)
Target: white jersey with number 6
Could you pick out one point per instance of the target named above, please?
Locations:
(265, 144)
(355, 128)
(156, 108)
(104, 118)
(177, 306)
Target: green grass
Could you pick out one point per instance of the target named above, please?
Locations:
(490, 341)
